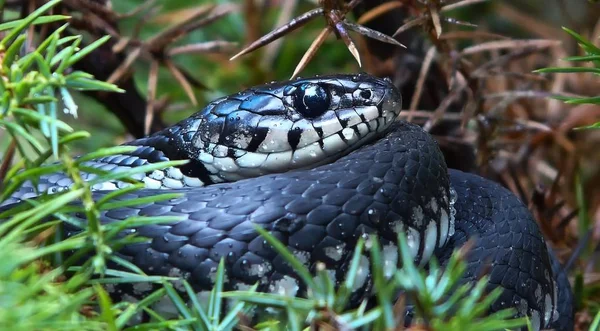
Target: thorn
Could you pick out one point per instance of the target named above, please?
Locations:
(409, 24)
(437, 24)
(182, 80)
(216, 46)
(152, 82)
(125, 66)
(312, 50)
(367, 32)
(343, 33)
(280, 31)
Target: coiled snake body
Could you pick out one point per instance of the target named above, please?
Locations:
(320, 162)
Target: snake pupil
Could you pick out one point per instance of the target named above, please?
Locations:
(311, 100)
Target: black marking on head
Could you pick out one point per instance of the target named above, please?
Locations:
(311, 100)
(321, 143)
(379, 106)
(230, 152)
(196, 169)
(294, 136)
(362, 118)
(319, 131)
(230, 126)
(438, 226)
(343, 121)
(260, 133)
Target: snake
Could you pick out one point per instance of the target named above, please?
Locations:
(319, 163)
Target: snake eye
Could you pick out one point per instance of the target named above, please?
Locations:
(311, 100)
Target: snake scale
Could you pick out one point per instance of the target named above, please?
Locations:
(320, 162)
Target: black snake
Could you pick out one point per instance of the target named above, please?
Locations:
(320, 162)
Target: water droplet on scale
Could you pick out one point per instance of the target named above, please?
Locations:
(230, 256)
(374, 215)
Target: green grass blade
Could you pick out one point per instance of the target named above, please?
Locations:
(38, 21)
(86, 51)
(215, 301)
(26, 22)
(298, 267)
(198, 309)
(106, 312)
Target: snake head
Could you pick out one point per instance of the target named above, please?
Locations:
(289, 125)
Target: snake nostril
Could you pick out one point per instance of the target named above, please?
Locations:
(365, 94)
